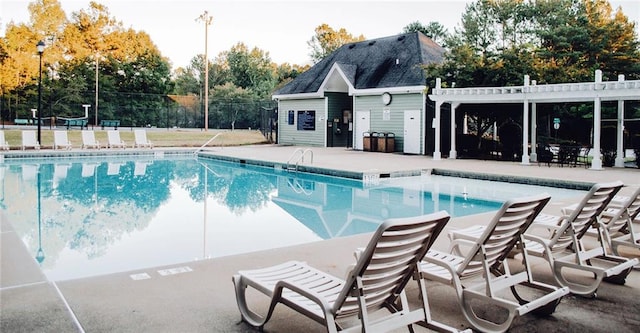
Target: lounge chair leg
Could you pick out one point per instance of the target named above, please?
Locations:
(547, 309)
(619, 279)
(247, 315)
(584, 290)
(486, 325)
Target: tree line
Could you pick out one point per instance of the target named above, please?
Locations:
(552, 41)
(496, 43)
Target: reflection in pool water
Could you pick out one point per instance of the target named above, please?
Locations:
(87, 218)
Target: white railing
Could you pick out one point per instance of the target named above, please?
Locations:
(545, 88)
(208, 142)
(597, 85)
(298, 157)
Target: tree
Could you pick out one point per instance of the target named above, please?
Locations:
(252, 70)
(287, 72)
(20, 64)
(499, 42)
(434, 30)
(233, 105)
(129, 61)
(581, 37)
(326, 40)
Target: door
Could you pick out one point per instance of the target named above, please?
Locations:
(412, 132)
(362, 125)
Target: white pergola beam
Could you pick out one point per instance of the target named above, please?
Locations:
(596, 91)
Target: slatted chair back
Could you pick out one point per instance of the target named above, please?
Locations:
(502, 233)
(574, 226)
(387, 264)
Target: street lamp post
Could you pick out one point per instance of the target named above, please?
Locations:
(40, 47)
(207, 19)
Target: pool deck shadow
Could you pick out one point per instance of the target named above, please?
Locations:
(199, 297)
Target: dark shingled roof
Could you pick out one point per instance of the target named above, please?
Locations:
(372, 64)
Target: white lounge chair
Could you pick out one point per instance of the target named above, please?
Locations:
(141, 139)
(561, 244)
(89, 140)
(114, 140)
(478, 269)
(617, 226)
(376, 282)
(29, 140)
(61, 140)
(4, 145)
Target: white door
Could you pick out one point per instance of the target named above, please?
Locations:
(362, 124)
(412, 132)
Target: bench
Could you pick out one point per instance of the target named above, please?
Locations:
(110, 123)
(76, 122)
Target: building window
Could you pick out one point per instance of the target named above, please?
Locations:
(306, 120)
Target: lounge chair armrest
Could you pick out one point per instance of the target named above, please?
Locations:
(436, 261)
(547, 219)
(611, 211)
(306, 292)
(458, 244)
(537, 239)
(442, 270)
(566, 211)
(432, 257)
(543, 225)
(619, 200)
(546, 226)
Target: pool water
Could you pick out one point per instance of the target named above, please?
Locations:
(93, 217)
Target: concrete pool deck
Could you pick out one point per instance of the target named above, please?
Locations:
(199, 297)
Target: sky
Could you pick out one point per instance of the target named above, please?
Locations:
(281, 28)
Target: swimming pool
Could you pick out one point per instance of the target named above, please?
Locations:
(100, 215)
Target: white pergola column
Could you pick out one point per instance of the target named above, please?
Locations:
(437, 155)
(619, 163)
(525, 125)
(534, 129)
(452, 151)
(465, 126)
(596, 162)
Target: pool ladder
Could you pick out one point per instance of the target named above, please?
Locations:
(298, 157)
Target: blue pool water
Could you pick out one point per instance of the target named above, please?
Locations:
(86, 217)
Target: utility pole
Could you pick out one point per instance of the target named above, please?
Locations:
(95, 122)
(207, 19)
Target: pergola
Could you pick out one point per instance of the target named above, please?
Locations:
(530, 94)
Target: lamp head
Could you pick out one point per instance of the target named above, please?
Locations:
(40, 47)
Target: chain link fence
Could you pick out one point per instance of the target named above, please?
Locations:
(144, 110)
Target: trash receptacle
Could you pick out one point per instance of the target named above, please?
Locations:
(389, 142)
(366, 141)
(374, 141)
(386, 142)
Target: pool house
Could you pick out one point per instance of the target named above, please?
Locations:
(361, 89)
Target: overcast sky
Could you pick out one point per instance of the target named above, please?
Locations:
(281, 28)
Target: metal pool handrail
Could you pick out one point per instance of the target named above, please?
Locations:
(299, 158)
(208, 142)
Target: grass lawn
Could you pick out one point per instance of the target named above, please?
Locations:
(159, 137)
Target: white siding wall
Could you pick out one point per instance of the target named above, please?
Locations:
(289, 134)
(395, 124)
